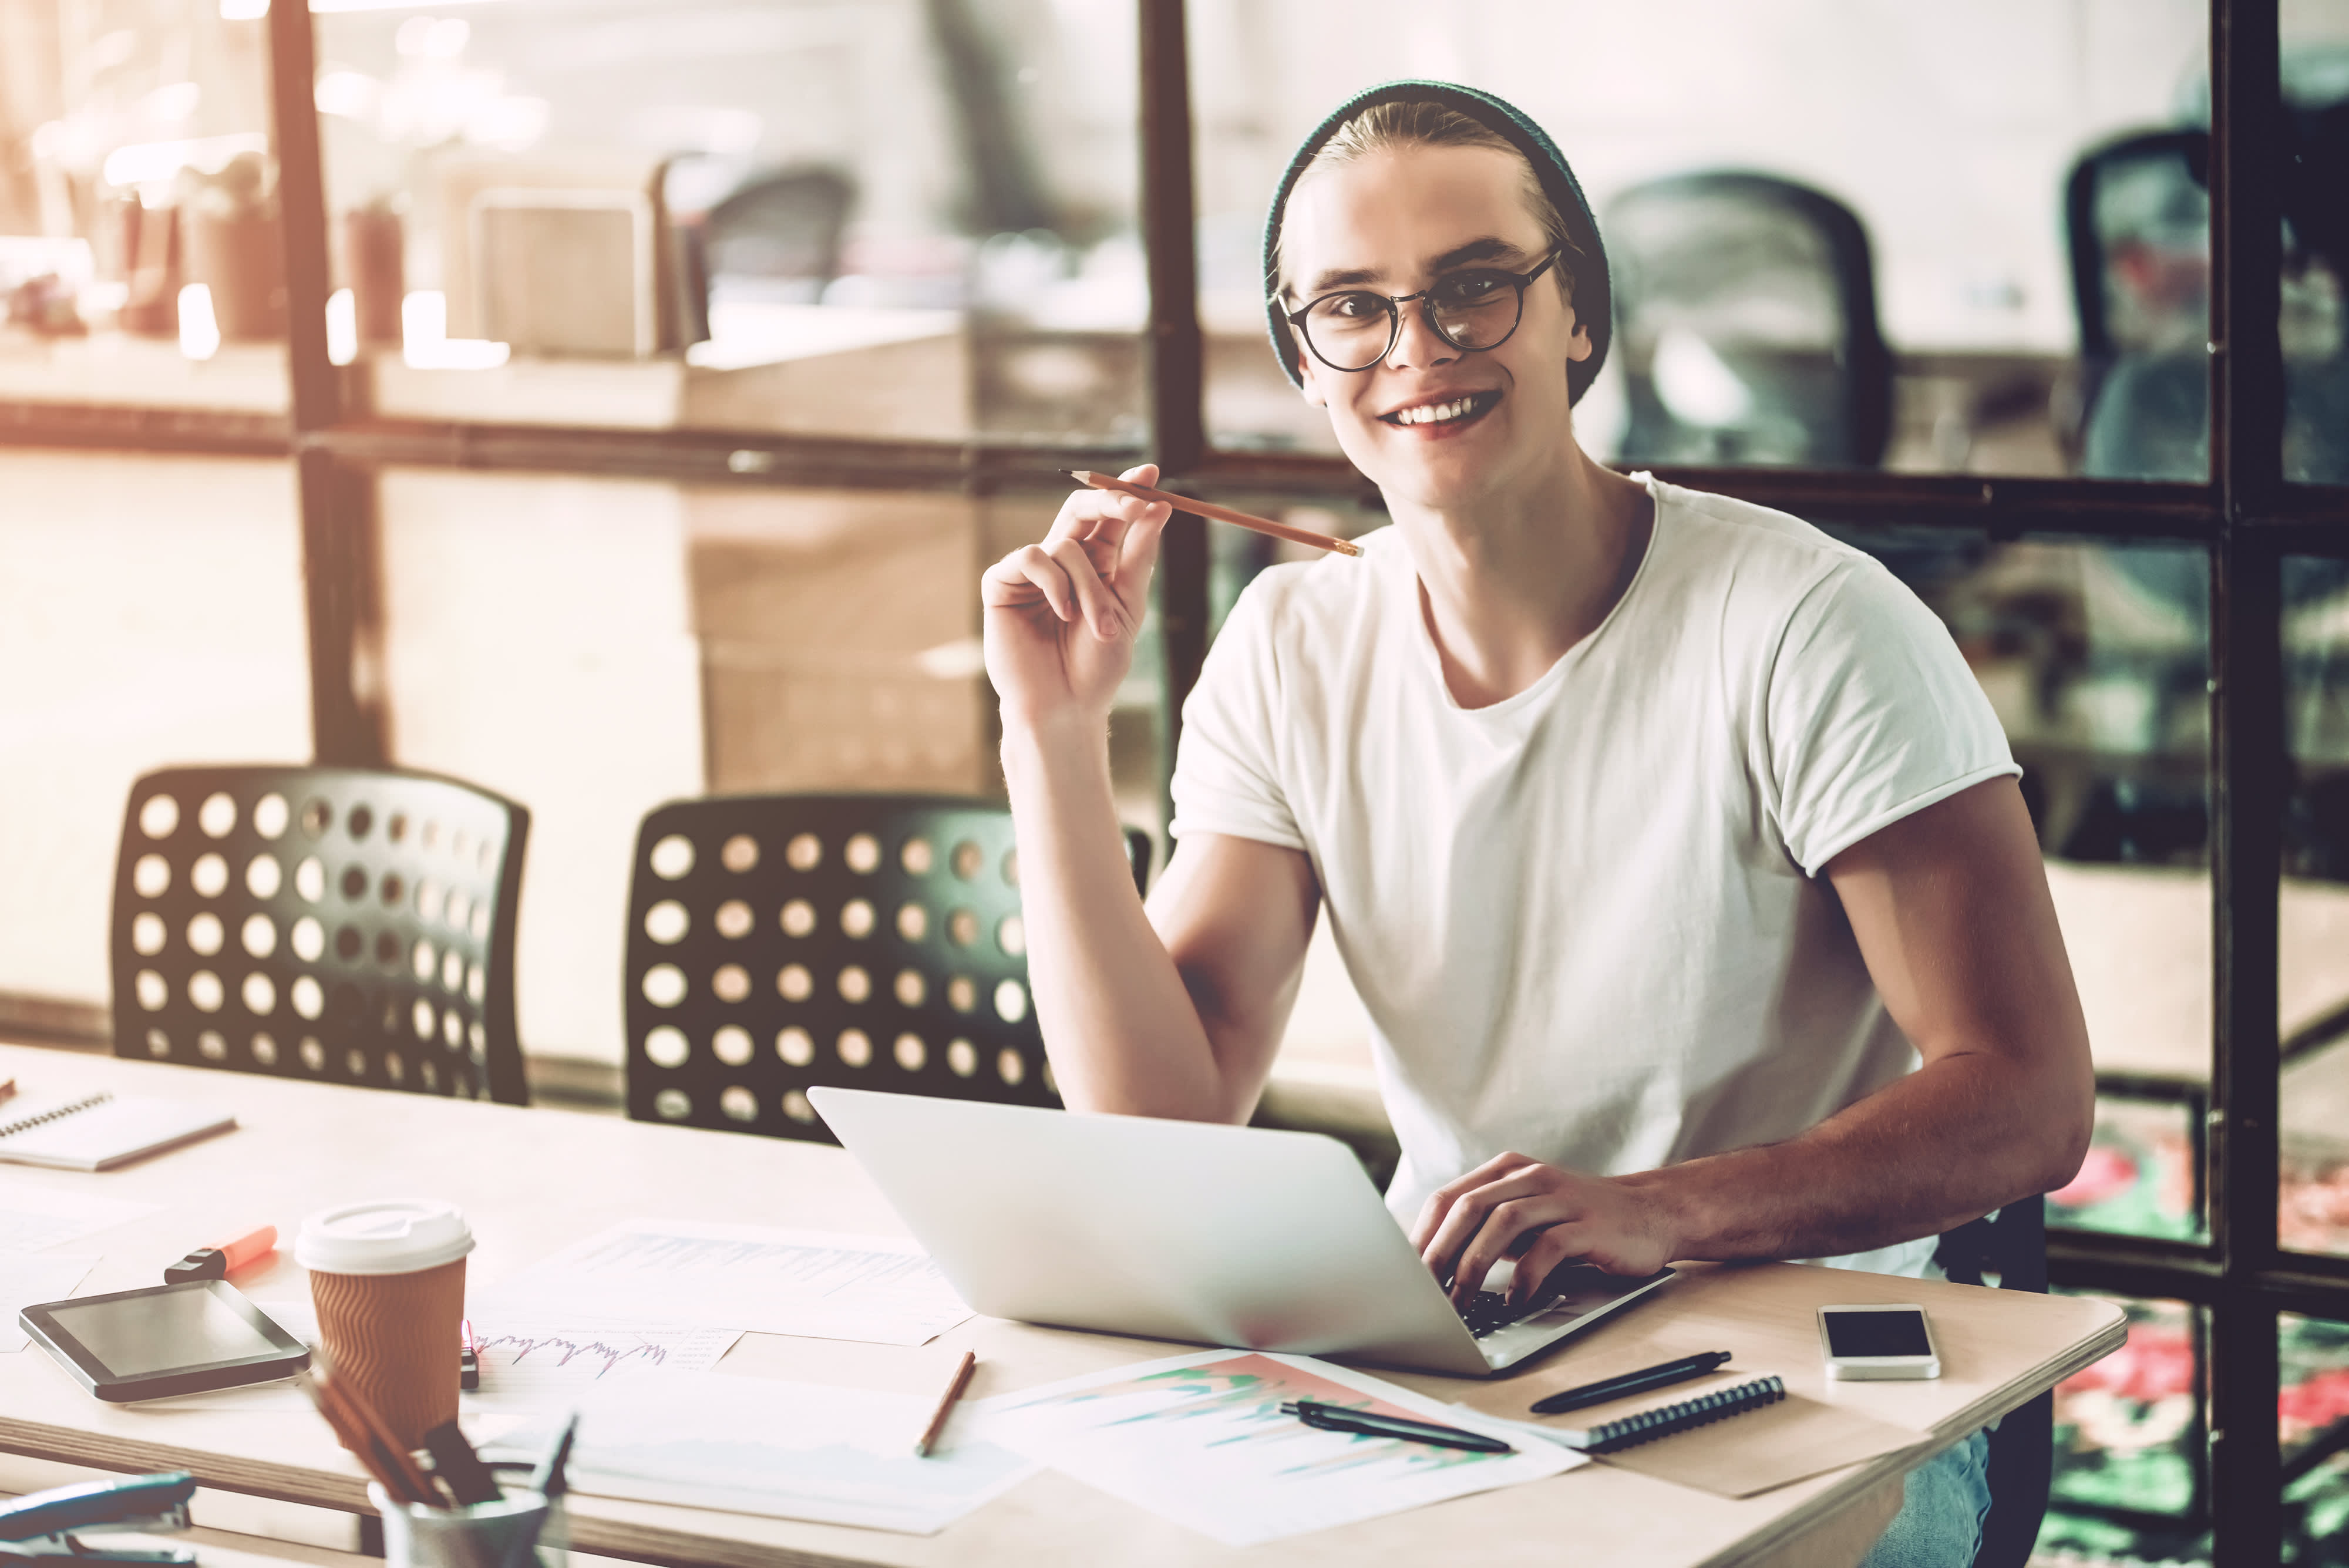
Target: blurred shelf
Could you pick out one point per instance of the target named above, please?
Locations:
(115, 369)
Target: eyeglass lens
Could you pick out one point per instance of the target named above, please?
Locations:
(1354, 329)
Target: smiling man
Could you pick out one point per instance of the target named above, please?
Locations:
(1674, 852)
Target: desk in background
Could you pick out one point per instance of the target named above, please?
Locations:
(532, 1181)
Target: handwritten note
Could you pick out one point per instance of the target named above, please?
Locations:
(545, 1366)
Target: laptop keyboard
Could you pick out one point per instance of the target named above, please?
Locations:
(1490, 1310)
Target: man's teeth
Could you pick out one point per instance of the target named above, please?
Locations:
(1435, 413)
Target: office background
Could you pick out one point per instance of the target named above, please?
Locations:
(613, 400)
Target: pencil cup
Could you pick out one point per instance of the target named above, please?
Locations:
(521, 1529)
(389, 1283)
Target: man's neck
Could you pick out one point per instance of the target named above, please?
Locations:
(1509, 584)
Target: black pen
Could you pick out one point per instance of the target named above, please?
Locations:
(1639, 1382)
(548, 1482)
(1337, 1418)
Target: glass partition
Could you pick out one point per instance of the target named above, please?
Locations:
(2096, 658)
(2312, 916)
(592, 648)
(150, 613)
(141, 257)
(2313, 1409)
(898, 219)
(2314, 60)
(2131, 1481)
(1783, 193)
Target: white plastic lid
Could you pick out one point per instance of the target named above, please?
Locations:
(399, 1237)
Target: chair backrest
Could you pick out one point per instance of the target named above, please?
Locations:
(1745, 322)
(2009, 1249)
(333, 923)
(776, 942)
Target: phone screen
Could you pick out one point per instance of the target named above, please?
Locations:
(1898, 1333)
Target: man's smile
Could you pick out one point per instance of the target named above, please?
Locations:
(1444, 412)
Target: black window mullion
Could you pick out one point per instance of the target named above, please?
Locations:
(1174, 351)
(2247, 761)
(337, 557)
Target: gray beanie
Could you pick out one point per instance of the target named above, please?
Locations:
(1593, 299)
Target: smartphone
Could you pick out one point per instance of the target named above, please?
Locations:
(1878, 1340)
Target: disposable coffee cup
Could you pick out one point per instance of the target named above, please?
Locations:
(389, 1283)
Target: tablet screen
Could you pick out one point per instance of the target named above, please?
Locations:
(160, 1332)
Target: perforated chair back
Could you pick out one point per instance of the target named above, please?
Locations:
(776, 942)
(340, 924)
(2009, 1251)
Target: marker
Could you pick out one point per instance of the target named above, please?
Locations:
(217, 1263)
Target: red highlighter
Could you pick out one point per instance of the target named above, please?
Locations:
(217, 1262)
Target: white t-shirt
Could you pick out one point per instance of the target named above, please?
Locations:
(1587, 922)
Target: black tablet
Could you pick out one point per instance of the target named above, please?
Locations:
(164, 1340)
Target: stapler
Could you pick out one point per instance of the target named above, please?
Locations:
(44, 1526)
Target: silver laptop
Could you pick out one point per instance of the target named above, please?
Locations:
(1186, 1231)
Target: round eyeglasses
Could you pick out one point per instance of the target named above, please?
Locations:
(1472, 309)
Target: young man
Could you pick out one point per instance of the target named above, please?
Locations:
(1675, 854)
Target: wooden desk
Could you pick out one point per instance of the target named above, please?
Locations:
(535, 1180)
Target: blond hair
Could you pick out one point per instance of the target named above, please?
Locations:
(1393, 126)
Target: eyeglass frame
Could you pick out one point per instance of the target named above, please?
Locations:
(1395, 302)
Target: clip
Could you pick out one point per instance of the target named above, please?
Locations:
(42, 1526)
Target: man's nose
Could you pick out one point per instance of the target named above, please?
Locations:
(1418, 344)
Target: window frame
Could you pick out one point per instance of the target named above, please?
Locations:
(2246, 517)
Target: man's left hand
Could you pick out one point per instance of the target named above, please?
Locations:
(1515, 1206)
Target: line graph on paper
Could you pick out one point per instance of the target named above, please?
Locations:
(531, 1365)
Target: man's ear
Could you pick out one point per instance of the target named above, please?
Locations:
(1579, 347)
(1310, 373)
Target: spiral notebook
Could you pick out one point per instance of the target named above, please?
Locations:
(1647, 1426)
(95, 1131)
(1733, 1440)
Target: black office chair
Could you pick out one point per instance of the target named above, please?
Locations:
(2137, 222)
(2009, 1251)
(780, 231)
(1745, 324)
(777, 943)
(340, 924)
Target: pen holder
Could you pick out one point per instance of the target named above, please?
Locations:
(521, 1529)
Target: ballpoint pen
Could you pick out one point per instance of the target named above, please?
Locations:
(1661, 1375)
(1366, 1423)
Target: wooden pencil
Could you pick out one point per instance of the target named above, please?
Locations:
(1329, 542)
(938, 1421)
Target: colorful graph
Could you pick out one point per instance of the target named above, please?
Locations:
(1202, 1439)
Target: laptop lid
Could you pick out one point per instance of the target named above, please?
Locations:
(1168, 1229)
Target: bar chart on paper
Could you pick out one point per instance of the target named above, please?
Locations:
(743, 1277)
(1202, 1439)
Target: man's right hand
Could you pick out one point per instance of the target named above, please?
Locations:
(1062, 617)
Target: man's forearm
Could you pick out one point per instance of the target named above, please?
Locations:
(1124, 1032)
(1963, 1135)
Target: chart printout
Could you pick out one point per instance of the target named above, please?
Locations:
(807, 1283)
(1201, 1439)
(34, 1217)
(27, 1278)
(787, 1450)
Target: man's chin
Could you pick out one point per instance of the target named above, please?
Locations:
(1431, 477)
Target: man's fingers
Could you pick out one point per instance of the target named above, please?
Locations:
(1438, 1203)
(1550, 1247)
(1018, 579)
(1101, 607)
(1089, 512)
(1503, 1225)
